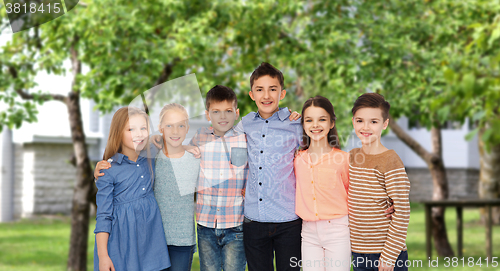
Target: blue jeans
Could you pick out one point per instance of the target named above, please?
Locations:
(263, 240)
(181, 257)
(221, 249)
(370, 261)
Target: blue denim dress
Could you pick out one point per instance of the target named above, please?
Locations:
(127, 210)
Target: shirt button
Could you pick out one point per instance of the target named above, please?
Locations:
(260, 183)
(143, 188)
(261, 151)
(263, 135)
(316, 214)
(260, 167)
(314, 198)
(312, 181)
(137, 165)
(217, 209)
(260, 199)
(142, 176)
(267, 121)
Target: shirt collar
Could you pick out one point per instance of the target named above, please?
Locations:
(210, 130)
(119, 158)
(282, 114)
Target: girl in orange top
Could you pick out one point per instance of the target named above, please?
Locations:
(322, 172)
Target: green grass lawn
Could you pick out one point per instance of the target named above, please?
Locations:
(42, 244)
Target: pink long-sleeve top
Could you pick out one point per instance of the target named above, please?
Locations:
(321, 188)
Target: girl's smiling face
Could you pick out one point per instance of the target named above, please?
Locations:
(135, 135)
(317, 123)
(174, 127)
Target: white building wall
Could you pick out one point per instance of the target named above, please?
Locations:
(18, 180)
(6, 175)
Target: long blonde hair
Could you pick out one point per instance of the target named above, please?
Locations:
(164, 110)
(117, 128)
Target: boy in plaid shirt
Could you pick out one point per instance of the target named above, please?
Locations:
(223, 172)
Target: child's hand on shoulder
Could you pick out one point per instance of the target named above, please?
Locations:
(100, 165)
(389, 210)
(157, 140)
(193, 150)
(294, 115)
(243, 192)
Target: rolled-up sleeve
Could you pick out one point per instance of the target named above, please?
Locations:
(104, 200)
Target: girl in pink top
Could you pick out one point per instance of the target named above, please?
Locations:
(322, 172)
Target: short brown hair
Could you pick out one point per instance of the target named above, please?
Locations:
(267, 69)
(221, 93)
(372, 100)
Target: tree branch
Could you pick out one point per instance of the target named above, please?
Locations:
(292, 41)
(164, 75)
(166, 72)
(429, 158)
(27, 96)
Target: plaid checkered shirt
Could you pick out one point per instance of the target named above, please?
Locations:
(223, 173)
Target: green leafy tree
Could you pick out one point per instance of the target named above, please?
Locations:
(473, 91)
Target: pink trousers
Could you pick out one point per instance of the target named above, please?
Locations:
(326, 245)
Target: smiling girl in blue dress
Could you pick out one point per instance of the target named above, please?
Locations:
(129, 230)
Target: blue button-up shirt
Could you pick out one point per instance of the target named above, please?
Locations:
(125, 181)
(270, 189)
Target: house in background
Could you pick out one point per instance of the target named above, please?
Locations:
(36, 175)
(37, 178)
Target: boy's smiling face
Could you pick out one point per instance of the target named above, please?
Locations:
(266, 92)
(222, 115)
(368, 124)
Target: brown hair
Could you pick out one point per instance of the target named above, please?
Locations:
(372, 100)
(221, 94)
(322, 102)
(116, 130)
(267, 69)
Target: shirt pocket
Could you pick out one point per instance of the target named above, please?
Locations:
(238, 156)
(327, 178)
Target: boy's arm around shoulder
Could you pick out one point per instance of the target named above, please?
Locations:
(193, 145)
(398, 189)
(297, 129)
(239, 127)
(104, 200)
(195, 140)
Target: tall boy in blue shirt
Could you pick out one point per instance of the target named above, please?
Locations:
(271, 225)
